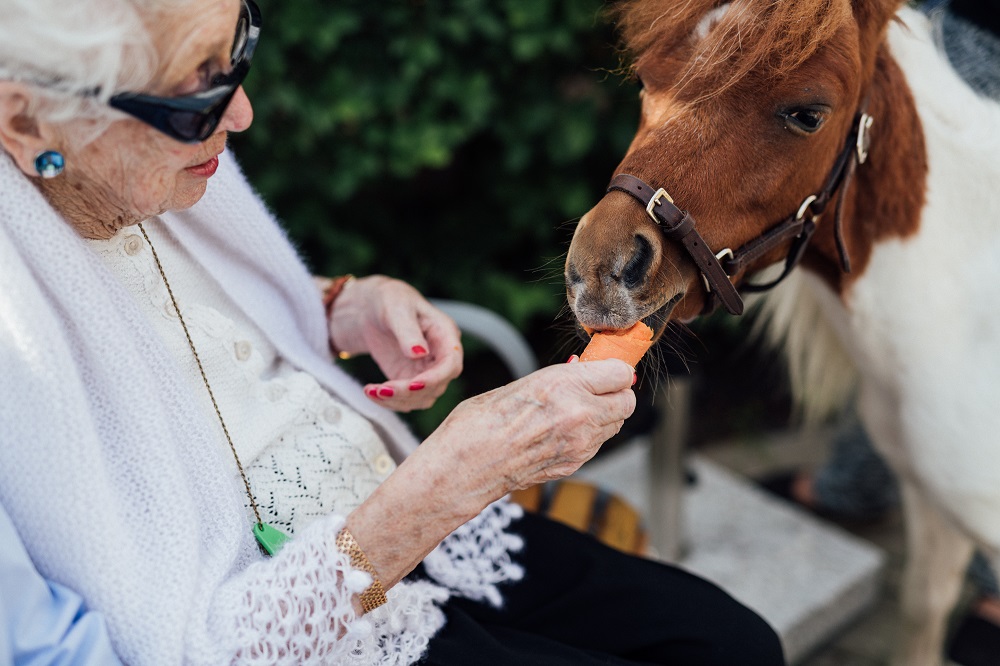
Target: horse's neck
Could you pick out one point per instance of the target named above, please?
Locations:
(929, 182)
(922, 224)
(927, 205)
(943, 279)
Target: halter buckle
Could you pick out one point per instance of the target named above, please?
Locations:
(655, 201)
(864, 137)
(805, 206)
(718, 255)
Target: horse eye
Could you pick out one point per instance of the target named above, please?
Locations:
(804, 120)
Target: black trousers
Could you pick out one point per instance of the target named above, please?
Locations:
(582, 603)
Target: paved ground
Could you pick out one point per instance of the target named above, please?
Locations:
(868, 642)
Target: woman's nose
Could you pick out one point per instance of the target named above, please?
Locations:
(239, 113)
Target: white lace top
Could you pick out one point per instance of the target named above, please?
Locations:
(306, 453)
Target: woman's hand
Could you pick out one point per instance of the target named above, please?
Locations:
(541, 427)
(417, 346)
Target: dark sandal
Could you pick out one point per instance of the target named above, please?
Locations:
(976, 642)
(780, 485)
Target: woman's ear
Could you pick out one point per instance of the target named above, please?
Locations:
(20, 134)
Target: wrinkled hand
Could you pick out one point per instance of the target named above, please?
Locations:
(416, 346)
(541, 427)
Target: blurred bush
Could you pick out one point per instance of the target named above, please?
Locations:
(451, 143)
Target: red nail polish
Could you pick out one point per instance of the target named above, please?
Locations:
(418, 350)
(372, 392)
(416, 386)
(635, 378)
(573, 357)
(385, 392)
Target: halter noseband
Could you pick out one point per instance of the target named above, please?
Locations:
(717, 267)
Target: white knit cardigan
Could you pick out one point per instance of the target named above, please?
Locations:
(119, 489)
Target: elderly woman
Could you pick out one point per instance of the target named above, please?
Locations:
(170, 408)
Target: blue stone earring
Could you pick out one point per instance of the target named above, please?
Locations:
(49, 163)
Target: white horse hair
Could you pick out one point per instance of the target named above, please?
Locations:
(921, 331)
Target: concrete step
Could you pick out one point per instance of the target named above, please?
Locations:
(809, 579)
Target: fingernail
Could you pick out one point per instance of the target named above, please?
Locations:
(573, 359)
(385, 392)
(418, 350)
(416, 386)
(635, 378)
(373, 392)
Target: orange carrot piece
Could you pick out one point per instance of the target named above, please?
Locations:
(628, 345)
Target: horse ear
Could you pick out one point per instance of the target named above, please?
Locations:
(872, 17)
(875, 14)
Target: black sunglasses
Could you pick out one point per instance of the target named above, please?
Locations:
(193, 118)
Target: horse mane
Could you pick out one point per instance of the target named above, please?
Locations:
(770, 36)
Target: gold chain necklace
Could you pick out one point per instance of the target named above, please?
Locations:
(270, 538)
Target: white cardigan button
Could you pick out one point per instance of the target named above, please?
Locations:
(383, 464)
(133, 245)
(332, 414)
(243, 349)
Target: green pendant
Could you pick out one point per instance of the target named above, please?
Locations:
(271, 539)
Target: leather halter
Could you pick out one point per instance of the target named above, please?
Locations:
(717, 267)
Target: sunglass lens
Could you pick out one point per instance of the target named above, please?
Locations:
(240, 41)
(189, 126)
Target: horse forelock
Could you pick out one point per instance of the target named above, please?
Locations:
(727, 41)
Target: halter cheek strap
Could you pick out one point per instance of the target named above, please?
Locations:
(716, 268)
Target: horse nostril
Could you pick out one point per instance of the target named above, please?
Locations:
(634, 273)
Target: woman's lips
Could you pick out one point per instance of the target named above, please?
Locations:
(205, 169)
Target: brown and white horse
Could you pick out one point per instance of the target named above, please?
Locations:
(749, 156)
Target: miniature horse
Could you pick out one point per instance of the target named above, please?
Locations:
(834, 135)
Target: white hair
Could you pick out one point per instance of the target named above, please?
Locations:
(78, 53)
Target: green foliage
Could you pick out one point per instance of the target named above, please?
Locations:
(450, 143)
(444, 142)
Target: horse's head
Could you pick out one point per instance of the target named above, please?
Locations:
(746, 109)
